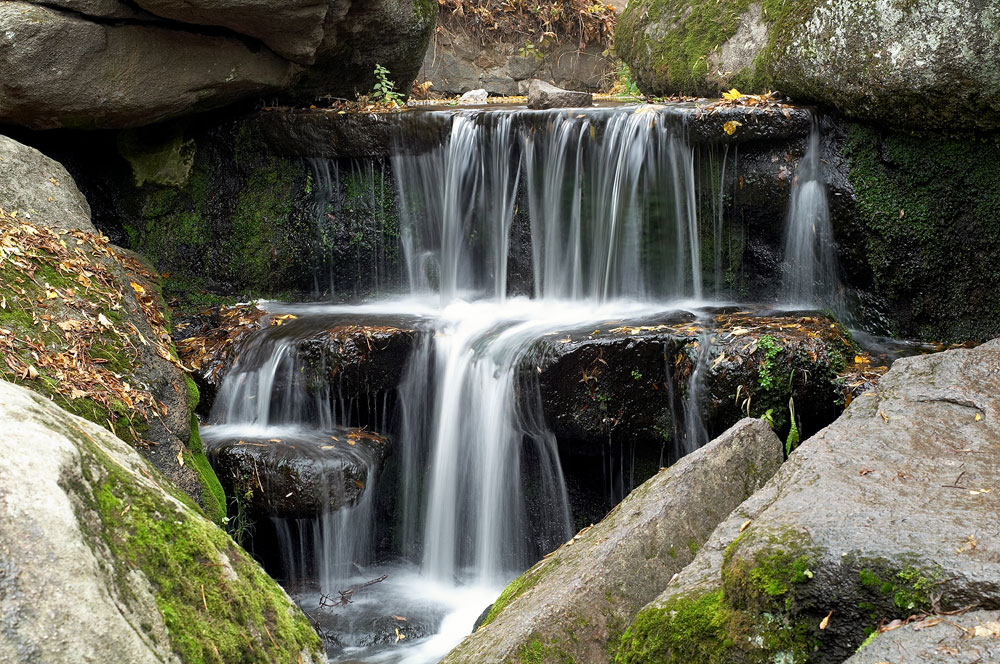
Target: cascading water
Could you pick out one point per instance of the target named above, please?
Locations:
(810, 278)
(614, 199)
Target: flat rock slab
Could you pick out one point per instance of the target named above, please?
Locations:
(568, 606)
(888, 512)
(333, 134)
(970, 638)
(209, 341)
(356, 356)
(298, 474)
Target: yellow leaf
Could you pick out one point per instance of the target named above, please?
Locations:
(743, 526)
(732, 95)
(399, 635)
(858, 359)
(825, 621)
(731, 127)
(137, 288)
(979, 416)
(180, 457)
(884, 416)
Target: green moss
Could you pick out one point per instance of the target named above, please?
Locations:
(520, 585)
(704, 628)
(211, 615)
(767, 580)
(669, 44)
(928, 231)
(908, 588)
(159, 154)
(213, 497)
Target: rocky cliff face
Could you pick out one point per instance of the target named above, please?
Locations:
(107, 63)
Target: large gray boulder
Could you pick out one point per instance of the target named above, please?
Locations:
(104, 63)
(570, 605)
(922, 64)
(887, 513)
(970, 638)
(40, 190)
(63, 70)
(102, 560)
(291, 28)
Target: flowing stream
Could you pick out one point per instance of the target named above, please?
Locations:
(523, 224)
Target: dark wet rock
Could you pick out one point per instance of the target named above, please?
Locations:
(357, 358)
(389, 630)
(209, 341)
(630, 381)
(103, 559)
(578, 598)
(298, 475)
(39, 189)
(332, 135)
(878, 62)
(545, 95)
(969, 638)
(882, 515)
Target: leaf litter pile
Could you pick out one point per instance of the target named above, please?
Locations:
(63, 328)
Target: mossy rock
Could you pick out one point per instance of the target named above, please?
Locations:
(152, 580)
(83, 323)
(881, 61)
(924, 238)
(843, 538)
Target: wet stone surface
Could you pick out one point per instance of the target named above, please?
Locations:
(300, 474)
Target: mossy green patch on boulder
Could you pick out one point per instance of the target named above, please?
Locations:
(879, 61)
(152, 579)
(928, 219)
(159, 155)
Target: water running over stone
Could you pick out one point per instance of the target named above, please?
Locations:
(810, 278)
(610, 203)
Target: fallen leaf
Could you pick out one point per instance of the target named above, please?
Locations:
(825, 621)
(989, 629)
(743, 526)
(732, 95)
(979, 416)
(180, 457)
(884, 416)
(970, 544)
(103, 320)
(399, 635)
(731, 127)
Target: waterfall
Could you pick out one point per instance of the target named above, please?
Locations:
(810, 277)
(521, 224)
(612, 206)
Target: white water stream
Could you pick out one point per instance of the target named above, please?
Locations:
(613, 213)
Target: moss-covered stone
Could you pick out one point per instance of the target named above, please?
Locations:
(706, 629)
(218, 605)
(928, 213)
(878, 61)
